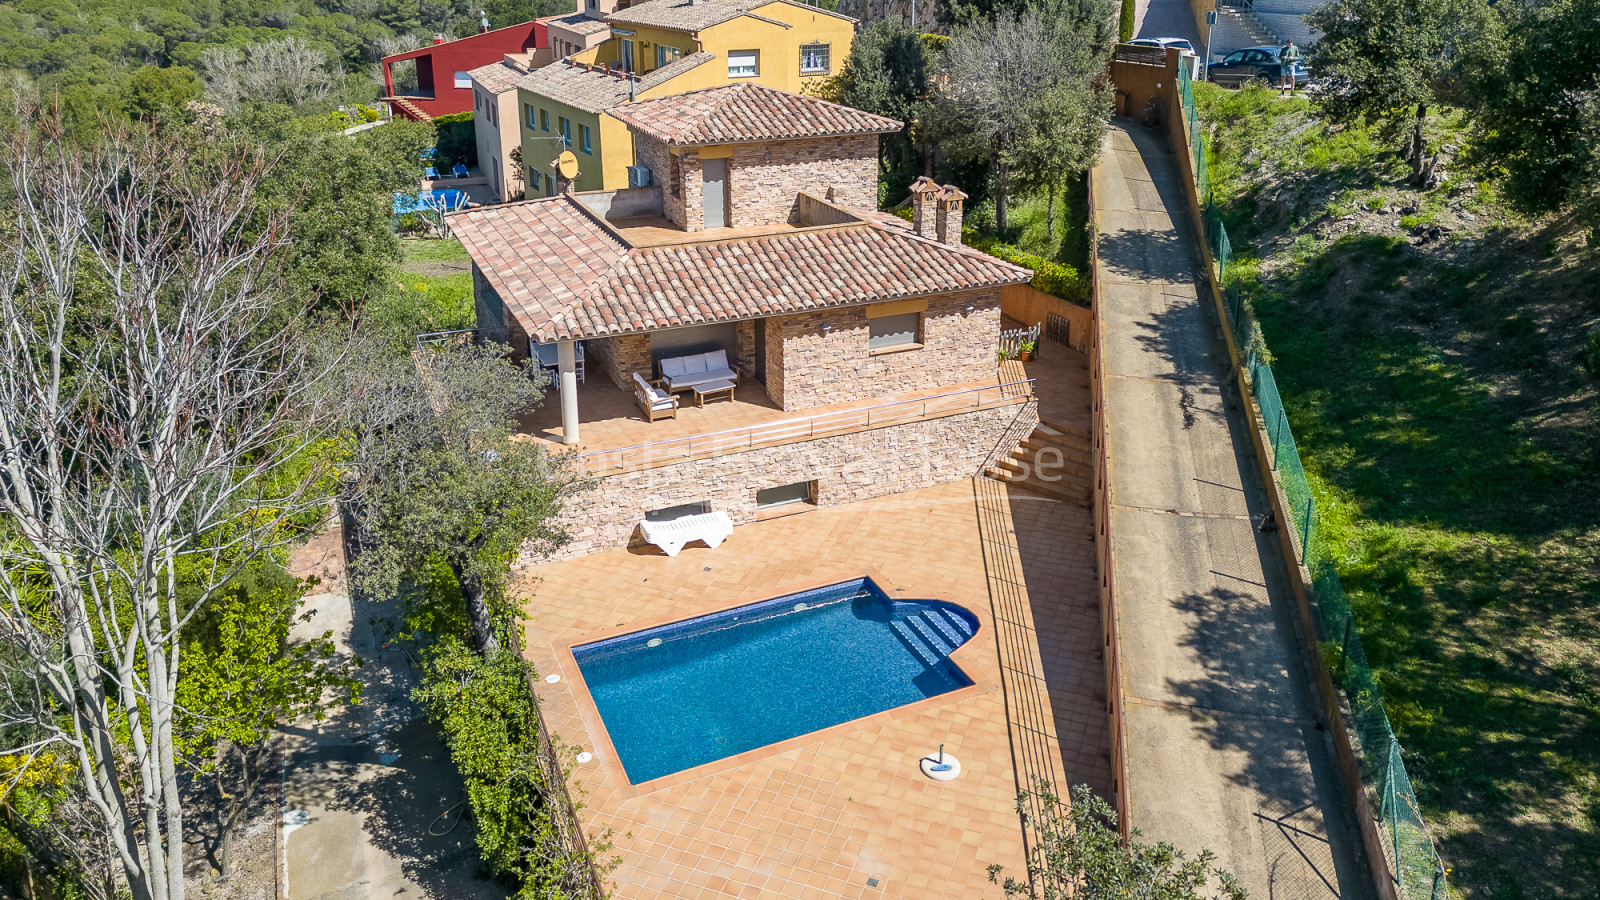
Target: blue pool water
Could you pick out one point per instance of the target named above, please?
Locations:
(743, 678)
(441, 198)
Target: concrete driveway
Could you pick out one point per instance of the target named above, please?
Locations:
(1225, 751)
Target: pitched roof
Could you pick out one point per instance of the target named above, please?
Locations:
(593, 89)
(744, 112)
(566, 277)
(497, 77)
(695, 15)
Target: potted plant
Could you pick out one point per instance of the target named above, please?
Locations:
(1025, 352)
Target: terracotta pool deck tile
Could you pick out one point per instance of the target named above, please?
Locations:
(823, 815)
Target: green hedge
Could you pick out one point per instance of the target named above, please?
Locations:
(1051, 277)
(456, 141)
(1125, 25)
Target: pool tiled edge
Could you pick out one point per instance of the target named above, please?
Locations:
(605, 754)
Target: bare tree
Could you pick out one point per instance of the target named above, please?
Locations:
(288, 70)
(157, 410)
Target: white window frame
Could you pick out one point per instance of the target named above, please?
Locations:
(739, 68)
(463, 79)
(827, 59)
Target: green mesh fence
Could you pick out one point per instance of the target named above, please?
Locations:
(1413, 861)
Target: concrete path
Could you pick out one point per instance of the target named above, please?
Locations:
(1225, 751)
(371, 797)
(1167, 18)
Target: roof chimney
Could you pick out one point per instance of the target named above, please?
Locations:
(438, 37)
(949, 229)
(923, 192)
(483, 22)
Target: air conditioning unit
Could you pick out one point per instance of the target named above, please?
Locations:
(638, 176)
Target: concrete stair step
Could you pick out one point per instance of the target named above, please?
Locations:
(1026, 463)
(1070, 491)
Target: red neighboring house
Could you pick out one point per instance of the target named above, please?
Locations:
(442, 83)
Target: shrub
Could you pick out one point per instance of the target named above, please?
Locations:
(1125, 25)
(1055, 278)
(486, 710)
(1591, 352)
(456, 140)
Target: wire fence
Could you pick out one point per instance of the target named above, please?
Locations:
(1413, 861)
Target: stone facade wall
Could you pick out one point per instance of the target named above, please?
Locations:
(496, 324)
(773, 376)
(619, 357)
(746, 363)
(763, 190)
(653, 155)
(818, 368)
(846, 468)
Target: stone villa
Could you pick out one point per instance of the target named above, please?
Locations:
(861, 351)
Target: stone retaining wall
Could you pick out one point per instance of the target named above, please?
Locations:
(846, 468)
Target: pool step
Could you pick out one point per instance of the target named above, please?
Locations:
(933, 634)
(928, 657)
(928, 633)
(961, 625)
(942, 625)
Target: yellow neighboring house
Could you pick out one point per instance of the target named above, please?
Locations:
(664, 47)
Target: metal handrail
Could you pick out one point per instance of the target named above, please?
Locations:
(439, 337)
(809, 427)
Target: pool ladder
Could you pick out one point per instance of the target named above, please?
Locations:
(933, 633)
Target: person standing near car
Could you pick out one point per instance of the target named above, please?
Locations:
(1288, 57)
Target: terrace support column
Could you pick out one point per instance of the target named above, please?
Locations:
(567, 367)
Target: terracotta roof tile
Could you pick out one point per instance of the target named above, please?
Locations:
(695, 15)
(497, 77)
(593, 89)
(565, 276)
(737, 113)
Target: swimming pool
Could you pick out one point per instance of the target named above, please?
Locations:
(441, 198)
(703, 689)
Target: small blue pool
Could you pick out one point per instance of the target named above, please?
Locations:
(699, 690)
(441, 198)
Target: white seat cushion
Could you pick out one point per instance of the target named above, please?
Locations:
(716, 360)
(694, 365)
(672, 368)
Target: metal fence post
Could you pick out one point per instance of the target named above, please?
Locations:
(1282, 421)
(1305, 537)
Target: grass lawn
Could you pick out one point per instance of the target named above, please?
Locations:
(1434, 386)
(432, 289)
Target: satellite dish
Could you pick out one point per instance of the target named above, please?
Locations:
(567, 164)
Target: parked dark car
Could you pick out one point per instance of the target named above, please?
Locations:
(1254, 64)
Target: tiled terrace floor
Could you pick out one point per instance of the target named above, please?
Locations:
(609, 418)
(820, 817)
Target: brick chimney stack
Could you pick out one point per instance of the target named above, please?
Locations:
(949, 230)
(438, 37)
(924, 191)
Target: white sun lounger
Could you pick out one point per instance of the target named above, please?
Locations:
(671, 535)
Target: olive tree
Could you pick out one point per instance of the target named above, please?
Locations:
(1076, 851)
(1025, 91)
(1392, 61)
(438, 471)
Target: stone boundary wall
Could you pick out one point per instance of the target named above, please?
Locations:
(816, 368)
(846, 468)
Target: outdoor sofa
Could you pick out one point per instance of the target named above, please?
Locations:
(681, 373)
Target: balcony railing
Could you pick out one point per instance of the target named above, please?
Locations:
(804, 428)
